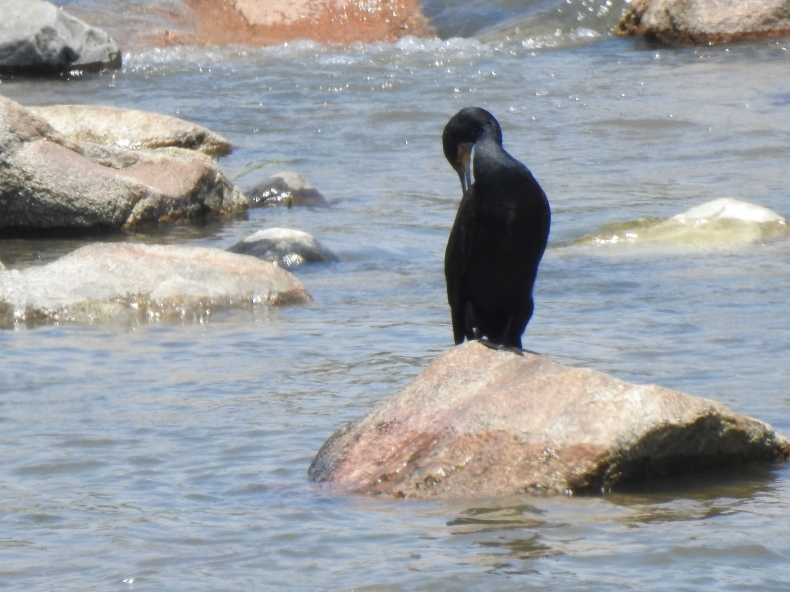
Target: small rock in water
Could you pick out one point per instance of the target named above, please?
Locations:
(284, 247)
(730, 209)
(285, 189)
(480, 422)
(39, 38)
(130, 282)
(721, 223)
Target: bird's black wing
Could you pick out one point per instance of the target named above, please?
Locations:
(456, 266)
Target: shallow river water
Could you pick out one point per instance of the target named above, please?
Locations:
(174, 456)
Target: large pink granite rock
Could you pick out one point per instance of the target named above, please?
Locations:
(480, 422)
(706, 21)
(270, 22)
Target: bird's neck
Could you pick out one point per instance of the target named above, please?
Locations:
(489, 159)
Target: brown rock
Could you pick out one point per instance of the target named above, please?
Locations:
(49, 182)
(480, 422)
(128, 282)
(706, 21)
(270, 22)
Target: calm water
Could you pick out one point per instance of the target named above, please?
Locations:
(174, 457)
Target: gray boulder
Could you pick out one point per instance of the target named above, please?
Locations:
(128, 282)
(706, 21)
(48, 182)
(130, 129)
(284, 247)
(285, 189)
(480, 422)
(37, 38)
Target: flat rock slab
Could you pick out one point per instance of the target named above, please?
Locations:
(694, 22)
(480, 422)
(130, 129)
(136, 282)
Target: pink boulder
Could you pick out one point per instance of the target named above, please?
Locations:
(480, 422)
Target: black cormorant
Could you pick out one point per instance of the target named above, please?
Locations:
(499, 234)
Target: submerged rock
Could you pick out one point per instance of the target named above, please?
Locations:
(284, 247)
(38, 38)
(706, 21)
(134, 282)
(130, 129)
(720, 223)
(285, 189)
(480, 422)
(49, 182)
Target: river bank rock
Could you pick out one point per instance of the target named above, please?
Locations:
(129, 282)
(51, 183)
(717, 224)
(285, 189)
(130, 129)
(257, 23)
(480, 422)
(706, 21)
(38, 38)
(284, 247)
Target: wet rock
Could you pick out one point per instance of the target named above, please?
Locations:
(130, 129)
(127, 282)
(481, 422)
(251, 22)
(721, 223)
(38, 38)
(48, 182)
(284, 247)
(285, 189)
(706, 21)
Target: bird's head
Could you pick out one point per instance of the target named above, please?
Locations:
(462, 132)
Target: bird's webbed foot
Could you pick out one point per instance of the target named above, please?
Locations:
(500, 347)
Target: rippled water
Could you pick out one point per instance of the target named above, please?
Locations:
(174, 457)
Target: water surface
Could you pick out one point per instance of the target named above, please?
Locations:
(174, 457)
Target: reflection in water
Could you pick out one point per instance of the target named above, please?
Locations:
(507, 536)
(510, 537)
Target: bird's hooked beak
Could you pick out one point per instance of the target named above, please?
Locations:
(464, 168)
